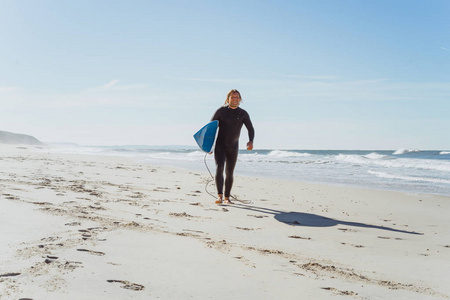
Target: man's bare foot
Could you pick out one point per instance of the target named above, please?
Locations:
(219, 200)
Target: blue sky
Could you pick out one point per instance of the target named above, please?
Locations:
(312, 74)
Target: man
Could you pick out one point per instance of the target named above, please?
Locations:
(231, 118)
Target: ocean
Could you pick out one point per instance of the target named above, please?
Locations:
(405, 170)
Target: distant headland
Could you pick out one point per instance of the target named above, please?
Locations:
(16, 138)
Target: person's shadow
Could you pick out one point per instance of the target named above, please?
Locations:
(313, 220)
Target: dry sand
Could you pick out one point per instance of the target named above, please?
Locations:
(95, 227)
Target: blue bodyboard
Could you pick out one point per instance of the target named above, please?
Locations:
(206, 136)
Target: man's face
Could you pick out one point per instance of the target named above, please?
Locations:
(234, 100)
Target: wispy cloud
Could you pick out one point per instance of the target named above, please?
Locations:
(247, 81)
(110, 94)
(380, 89)
(445, 49)
(8, 89)
(114, 85)
(207, 79)
(312, 77)
(110, 84)
(286, 88)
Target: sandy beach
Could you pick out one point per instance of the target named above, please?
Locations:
(98, 227)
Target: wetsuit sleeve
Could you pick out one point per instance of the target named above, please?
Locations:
(216, 115)
(251, 131)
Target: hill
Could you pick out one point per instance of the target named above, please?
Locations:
(15, 138)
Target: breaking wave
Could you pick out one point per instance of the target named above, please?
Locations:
(404, 151)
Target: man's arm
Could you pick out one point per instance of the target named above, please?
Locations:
(216, 115)
(251, 132)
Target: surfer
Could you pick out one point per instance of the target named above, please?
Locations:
(231, 118)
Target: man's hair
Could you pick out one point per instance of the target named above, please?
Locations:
(233, 91)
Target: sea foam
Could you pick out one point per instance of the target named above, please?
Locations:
(408, 178)
(403, 151)
(388, 162)
(282, 153)
(375, 155)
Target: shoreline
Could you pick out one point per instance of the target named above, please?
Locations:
(246, 170)
(84, 227)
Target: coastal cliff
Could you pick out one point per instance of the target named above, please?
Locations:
(15, 138)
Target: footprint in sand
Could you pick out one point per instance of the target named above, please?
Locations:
(389, 238)
(246, 228)
(73, 224)
(347, 230)
(339, 292)
(353, 245)
(128, 285)
(183, 214)
(257, 216)
(299, 237)
(9, 274)
(92, 252)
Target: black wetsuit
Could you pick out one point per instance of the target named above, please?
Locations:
(227, 143)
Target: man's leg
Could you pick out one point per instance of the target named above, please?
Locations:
(220, 157)
(231, 159)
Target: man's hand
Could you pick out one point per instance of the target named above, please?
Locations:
(250, 146)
